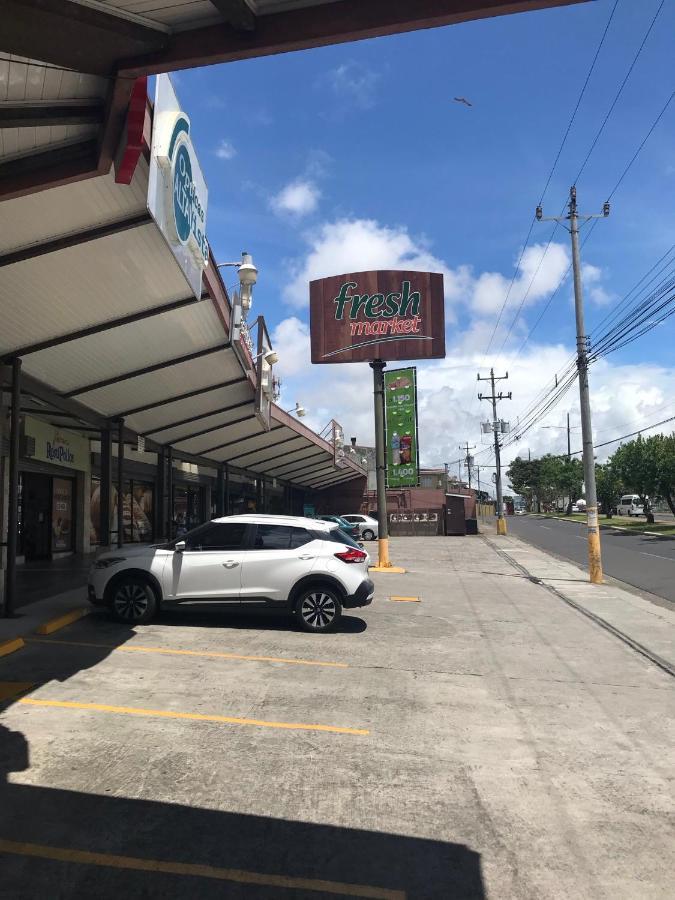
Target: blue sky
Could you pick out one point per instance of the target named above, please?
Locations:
(357, 151)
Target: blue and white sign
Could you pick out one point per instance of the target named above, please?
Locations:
(177, 192)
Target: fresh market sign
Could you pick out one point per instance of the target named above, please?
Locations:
(177, 192)
(377, 315)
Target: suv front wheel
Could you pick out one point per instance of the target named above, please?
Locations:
(318, 609)
(133, 601)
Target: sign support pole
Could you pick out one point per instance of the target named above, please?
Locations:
(383, 563)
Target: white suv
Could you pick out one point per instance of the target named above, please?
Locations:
(366, 524)
(252, 562)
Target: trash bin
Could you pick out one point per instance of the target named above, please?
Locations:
(472, 526)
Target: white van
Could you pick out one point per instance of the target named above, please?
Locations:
(630, 505)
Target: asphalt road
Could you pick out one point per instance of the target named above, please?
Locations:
(647, 563)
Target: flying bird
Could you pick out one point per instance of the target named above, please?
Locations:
(462, 100)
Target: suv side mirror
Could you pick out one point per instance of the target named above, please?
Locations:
(179, 546)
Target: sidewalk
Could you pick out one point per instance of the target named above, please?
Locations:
(648, 627)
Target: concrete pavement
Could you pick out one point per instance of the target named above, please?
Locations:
(644, 561)
(487, 741)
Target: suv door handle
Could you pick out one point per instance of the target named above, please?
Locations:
(230, 564)
(306, 556)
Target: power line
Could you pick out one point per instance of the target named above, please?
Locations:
(550, 176)
(619, 92)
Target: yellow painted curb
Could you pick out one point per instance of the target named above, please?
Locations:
(8, 647)
(392, 570)
(61, 621)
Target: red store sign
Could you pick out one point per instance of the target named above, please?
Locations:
(386, 315)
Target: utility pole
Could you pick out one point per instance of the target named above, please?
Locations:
(468, 459)
(594, 552)
(569, 446)
(497, 428)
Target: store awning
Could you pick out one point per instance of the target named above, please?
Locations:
(58, 126)
(106, 327)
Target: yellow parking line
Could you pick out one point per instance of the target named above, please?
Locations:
(239, 876)
(406, 599)
(205, 653)
(7, 647)
(197, 717)
(62, 621)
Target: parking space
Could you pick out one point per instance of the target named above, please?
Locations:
(473, 743)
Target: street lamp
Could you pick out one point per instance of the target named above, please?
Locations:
(271, 357)
(248, 276)
(298, 409)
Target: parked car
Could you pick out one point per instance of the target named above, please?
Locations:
(348, 528)
(366, 524)
(630, 505)
(305, 567)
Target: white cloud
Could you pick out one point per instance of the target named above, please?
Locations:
(298, 198)
(291, 341)
(355, 83)
(355, 245)
(592, 276)
(539, 273)
(225, 150)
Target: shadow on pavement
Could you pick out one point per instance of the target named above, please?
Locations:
(205, 616)
(64, 844)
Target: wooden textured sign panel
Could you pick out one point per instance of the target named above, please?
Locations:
(386, 315)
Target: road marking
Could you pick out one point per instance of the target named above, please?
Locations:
(547, 527)
(202, 653)
(656, 555)
(9, 689)
(61, 621)
(7, 647)
(238, 876)
(195, 717)
(406, 599)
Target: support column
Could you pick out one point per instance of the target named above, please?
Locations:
(227, 490)
(169, 493)
(220, 492)
(13, 492)
(159, 523)
(105, 492)
(383, 563)
(120, 483)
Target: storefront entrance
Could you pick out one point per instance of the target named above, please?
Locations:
(45, 515)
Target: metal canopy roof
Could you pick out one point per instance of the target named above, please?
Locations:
(99, 312)
(68, 68)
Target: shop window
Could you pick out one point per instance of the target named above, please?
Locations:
(62, 514)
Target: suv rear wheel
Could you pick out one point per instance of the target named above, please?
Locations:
(133, 601)
(318, 609)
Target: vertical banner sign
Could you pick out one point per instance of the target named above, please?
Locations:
(400, 410)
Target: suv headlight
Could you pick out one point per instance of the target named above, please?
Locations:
(108, 561)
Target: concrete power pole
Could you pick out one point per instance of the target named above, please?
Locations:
(569, 446)
(594, 552)
(497, 428)
(468, 459)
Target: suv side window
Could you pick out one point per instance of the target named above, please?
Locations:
(224, 536)
(300, 537)
(337, 536)
(272, 537)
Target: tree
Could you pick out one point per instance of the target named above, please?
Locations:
(638, 465)
(608, 486)
(522, 473)
(665, 449)
(569, 479)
